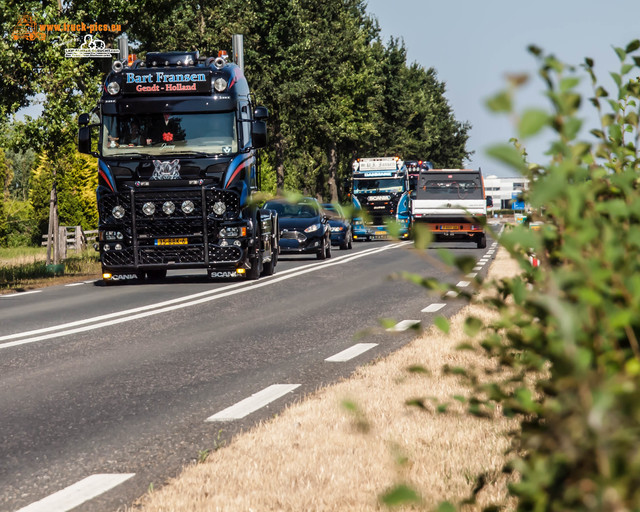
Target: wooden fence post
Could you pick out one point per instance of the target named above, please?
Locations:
(61, 242)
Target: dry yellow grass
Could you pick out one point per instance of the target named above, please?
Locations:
(314, 458)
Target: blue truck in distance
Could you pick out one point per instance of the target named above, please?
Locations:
(380, 189)
(178, 136)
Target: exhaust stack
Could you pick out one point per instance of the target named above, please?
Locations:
(237, 47)
(123, 46)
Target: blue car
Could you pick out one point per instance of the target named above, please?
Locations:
(341, 232)
(304, 228)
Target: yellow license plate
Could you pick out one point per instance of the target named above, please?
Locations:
(171, 241)
(450, 227)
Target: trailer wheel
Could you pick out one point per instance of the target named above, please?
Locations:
(482, 241)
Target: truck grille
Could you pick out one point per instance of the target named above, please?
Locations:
(219, 254)
(194, 225)
(164, 255)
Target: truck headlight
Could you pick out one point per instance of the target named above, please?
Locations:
(148, 208)
(312, 228)
(118, 211)
(187, 207)
(232, 232)
(168, 207)
(113, 88)
(220, 84)
(219, 208)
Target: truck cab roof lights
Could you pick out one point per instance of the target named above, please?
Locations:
(155, 59)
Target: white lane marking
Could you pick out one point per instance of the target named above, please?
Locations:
(478, 267)
(152, 306)
(450, 293)
(432, 308)
(490, 252)
(403, 325)
(155, 309)
(75, 284)
(471, 274)
(76, 494)
(483, 260)
(253, 403)
(463, 284)
(19, 294)
(351, 352)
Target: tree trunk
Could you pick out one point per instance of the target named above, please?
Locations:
(333, 171)
(52, 232)
(279, 163)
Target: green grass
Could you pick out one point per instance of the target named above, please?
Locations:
(8, 255)
(17, 272)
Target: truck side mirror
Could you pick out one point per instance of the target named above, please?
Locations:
(260, 113)
(84, 139)
(83, 120)
(259, 134)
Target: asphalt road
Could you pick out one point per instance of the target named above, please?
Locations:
(108, 391)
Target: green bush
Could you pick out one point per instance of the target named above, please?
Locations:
(568, 330)
(566, 345)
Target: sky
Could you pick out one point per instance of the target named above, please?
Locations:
(473, 44)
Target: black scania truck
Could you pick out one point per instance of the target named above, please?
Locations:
(177, 168)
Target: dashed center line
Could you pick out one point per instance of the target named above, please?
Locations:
(76, 494)
(403, 325)
(432, 308)
(463, 284)
(253, 403)
(351, 352)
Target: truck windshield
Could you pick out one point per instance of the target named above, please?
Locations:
(167, 134)
(449, 189)
(368, 186)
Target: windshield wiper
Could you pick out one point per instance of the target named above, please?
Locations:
(189, 153)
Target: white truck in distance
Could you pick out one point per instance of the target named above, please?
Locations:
(452, 204)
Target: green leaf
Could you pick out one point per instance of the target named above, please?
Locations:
(632, 46)
(400, 495)
(416, 402)
(416, 368)
(616, 78)
(572, 127)
(508, 155)
(446, 256)
(472, 326)
(445, 506)
(501, 102)
(532, 122)
(442, 323)
(568, 83)
(621, 53)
